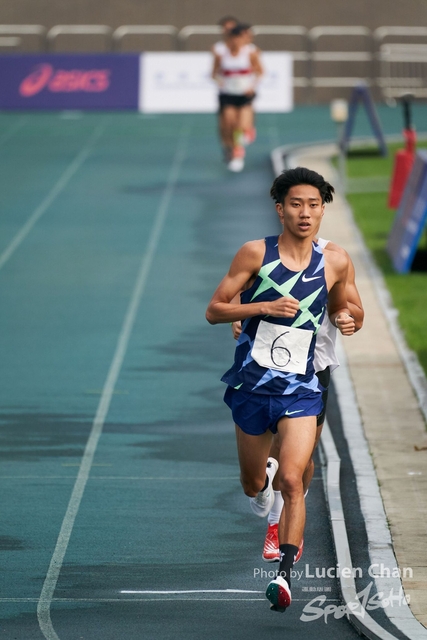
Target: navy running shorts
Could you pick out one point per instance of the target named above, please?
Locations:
(255, 413)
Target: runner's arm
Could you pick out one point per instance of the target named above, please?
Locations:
(216, 69)
(256, 63)
(353, 298)
(354, 302)
(339, 312)
(244, 268)
(236, 326)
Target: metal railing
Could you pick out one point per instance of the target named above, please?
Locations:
(392, 59)
(401, 62)
(381, 33)
(79, 30)
(299, 55)
(197, 30)
(145, 30)
(341, 57)
(11, 35)
(10, 41)
(403, 70)
(23, 29)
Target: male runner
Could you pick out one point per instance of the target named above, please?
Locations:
(325, 361)
(287, 282)
(236, 69)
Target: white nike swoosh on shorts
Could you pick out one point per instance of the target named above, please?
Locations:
(290, 413)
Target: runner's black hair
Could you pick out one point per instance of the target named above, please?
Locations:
(239, 29)
(294, 177)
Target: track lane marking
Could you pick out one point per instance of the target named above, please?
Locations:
(52, 195)
(118, 600)
(46, 596)
(163, 593)
(148, 478)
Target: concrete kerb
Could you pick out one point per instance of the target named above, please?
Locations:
(379, 538)
(355, 610)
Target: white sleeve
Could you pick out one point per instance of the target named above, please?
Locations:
(322, 242)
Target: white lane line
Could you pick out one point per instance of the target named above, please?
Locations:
(193, 591)
(119, 600)
(133, 478)
(7, 135)
(43, 608)
(53, 193)
(151, 479)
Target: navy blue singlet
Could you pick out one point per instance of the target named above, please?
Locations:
(273, 281)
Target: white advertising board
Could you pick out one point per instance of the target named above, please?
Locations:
(275, 91)
(180, 82)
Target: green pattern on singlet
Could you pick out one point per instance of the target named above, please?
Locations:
(284, 290)
(268, 283)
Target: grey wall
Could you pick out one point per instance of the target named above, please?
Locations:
(309, 13)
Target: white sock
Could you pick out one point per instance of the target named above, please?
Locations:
(274, 515)
(276, 510)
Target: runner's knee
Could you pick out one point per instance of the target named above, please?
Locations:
(251, 486)
(290, 483)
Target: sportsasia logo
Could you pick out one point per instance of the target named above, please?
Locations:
(64, 81)
(305, 279)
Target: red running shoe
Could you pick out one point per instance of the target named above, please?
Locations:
(249, 136)
(271, 552)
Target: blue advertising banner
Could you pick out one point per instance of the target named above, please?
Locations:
(69, 81)
(411, 217)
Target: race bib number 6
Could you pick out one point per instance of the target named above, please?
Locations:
(281, 348)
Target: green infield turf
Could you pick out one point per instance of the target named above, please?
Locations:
(368, 184)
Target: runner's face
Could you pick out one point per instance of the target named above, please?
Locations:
(228, 26)
(302, 211)
(235, 43)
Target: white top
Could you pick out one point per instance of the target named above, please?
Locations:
(219, 48)
(236, 73)
(324, 353)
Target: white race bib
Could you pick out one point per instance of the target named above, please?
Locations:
(281, 348)
(238, 84)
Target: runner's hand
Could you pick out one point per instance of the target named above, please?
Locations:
(345, 324)
(282, 308)
(236, 328)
